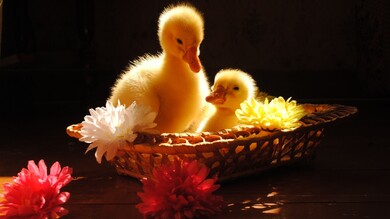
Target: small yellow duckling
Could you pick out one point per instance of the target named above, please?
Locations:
(231, 87)
(173, 82)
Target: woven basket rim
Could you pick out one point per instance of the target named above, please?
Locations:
(175, 143)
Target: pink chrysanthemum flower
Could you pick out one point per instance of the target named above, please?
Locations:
(180, 190)
(35, 195)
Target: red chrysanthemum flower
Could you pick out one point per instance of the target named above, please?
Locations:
(180, 190)
(35, 195)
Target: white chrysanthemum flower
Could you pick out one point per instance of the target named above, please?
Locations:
(278, 114)
(109, 128)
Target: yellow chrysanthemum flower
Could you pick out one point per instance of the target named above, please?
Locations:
(277, 114)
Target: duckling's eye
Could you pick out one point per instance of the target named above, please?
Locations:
(179, 41)
(236, 88)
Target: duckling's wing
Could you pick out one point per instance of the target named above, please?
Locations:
(136, 84)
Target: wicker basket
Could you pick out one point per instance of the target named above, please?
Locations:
(230, 153)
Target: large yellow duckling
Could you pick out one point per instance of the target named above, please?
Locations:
(231, 87)
(173, 82)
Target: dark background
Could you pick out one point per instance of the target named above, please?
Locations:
(62, 57)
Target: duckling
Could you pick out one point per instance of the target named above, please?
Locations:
(173, 82)
(231, 87)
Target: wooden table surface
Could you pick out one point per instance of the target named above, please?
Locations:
(349, 178)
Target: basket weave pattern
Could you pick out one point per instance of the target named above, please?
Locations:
(230, 153)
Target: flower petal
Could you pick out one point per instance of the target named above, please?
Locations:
(275, 114)
(55, 169)
(179, 189)
(107, 128)
(34, 194)
(33, 168)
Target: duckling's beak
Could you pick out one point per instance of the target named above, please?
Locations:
(191, 57)
(218, 96)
